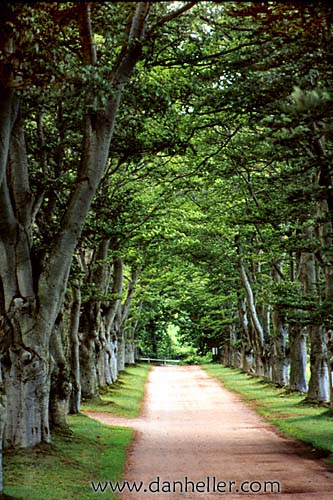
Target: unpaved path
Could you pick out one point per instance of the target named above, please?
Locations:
(193, 428)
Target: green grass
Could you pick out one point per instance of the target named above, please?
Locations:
(64, 470)
(90, 452)
(125, 397)
(288, 411)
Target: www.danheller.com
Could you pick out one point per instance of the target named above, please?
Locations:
(210, 484)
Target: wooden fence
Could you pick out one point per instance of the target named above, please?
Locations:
(162, 361)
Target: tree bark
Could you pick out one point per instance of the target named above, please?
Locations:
(3, 418)
(128, 331)
(233, 349)
(8, 102)
(259, 353)
(280, 359)
(74, 356)
(251, 306)
(226, 355)
(27, 379)
(60, 377)
(88, 356)
(113, 319)
(319, 384)
(93, 340)
(6, 122)
(120, 342)
(319, 378)
(246, 363)
(298, 358)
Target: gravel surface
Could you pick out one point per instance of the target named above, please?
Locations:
(196, 440)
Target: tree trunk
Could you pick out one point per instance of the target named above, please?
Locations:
(114, 319)
(60, 377)
(7, 82)
(280, 359)
(88, 336)
(3, 418)
(319, 378)
(120, 343)
(108, 353)
(129, 353)
(233, 348)
(330, 365)
(261, 366)
(264, 315)
(92, 335)
(114, 358)
(27, 379)
(325, 210)
(319, 384)
(247, 361)
(298, 362)
(226, 356)
(74, 350)
(26, 326)
(129, 332)
(101, 357)
(31, 303)
(252, 307)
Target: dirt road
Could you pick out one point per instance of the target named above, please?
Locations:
(195, 440)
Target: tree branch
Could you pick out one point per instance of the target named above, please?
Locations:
(86, 35)
(131, 51)
(172, 15)
(249, 295)
(98, 131)
(210, 58)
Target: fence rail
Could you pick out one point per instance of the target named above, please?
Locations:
(164, 361)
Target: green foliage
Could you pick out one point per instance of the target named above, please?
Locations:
(192, 358)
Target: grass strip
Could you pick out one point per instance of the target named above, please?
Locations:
(288, 411)
(125, 397)
(89, 452)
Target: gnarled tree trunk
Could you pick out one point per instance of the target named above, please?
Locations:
(319, 384)
(60, 376)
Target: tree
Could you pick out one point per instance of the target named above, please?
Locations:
(34, 279)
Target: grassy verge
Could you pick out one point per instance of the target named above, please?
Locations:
(125, 396)
(309, 423)
(90, 452)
